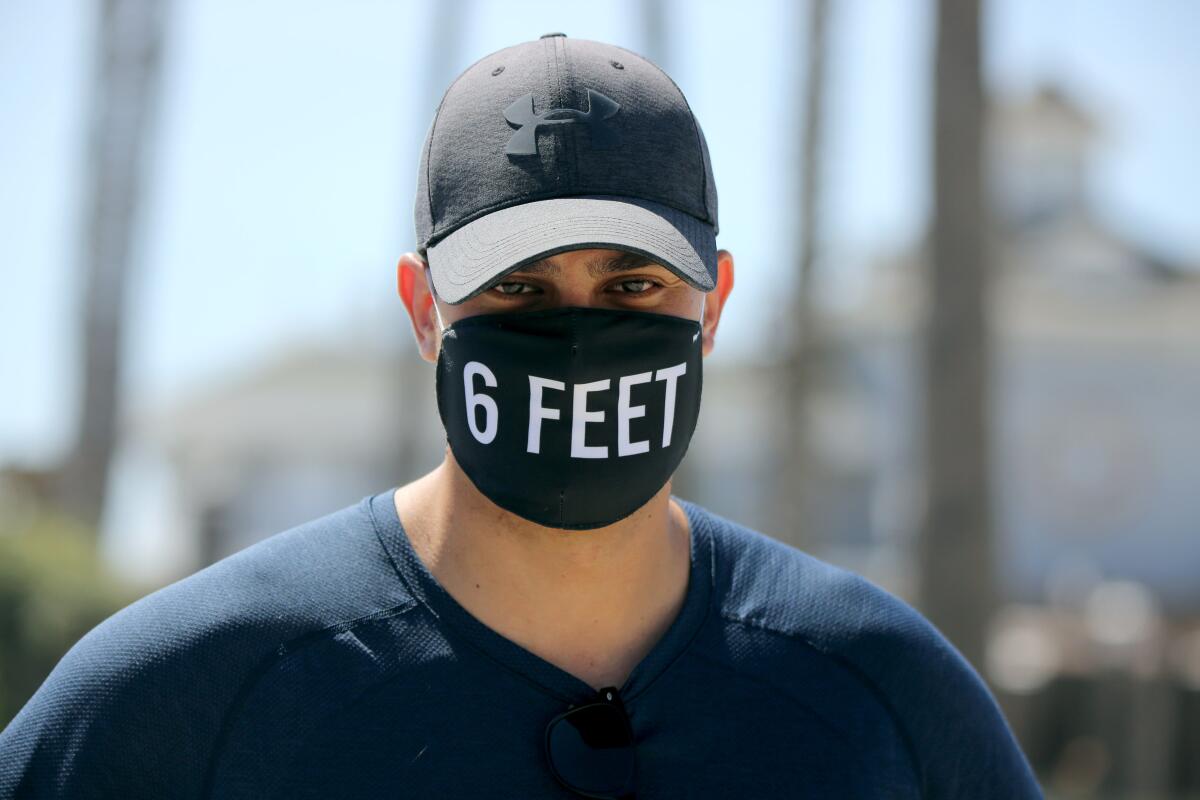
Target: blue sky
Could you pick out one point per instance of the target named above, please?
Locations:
(283, 168)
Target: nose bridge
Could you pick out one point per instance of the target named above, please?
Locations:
(573, 285)
(576, 293)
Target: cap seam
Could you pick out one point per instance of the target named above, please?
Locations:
(572, 137)
(551, 92)
(704, 165)
(433, 135)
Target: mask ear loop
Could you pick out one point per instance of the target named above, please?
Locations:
(703, 309)
(433, 294)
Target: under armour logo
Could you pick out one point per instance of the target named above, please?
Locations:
(524, 139)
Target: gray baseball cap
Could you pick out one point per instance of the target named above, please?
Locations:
(562, 144)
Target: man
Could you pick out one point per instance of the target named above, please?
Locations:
(538, 616)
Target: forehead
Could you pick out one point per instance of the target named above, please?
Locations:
(595, 262)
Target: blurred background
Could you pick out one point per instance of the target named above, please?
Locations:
(962, 358)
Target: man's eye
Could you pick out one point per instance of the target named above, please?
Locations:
(515, 287)
(636, 285)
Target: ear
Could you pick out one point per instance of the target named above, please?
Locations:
(714, 301)
(417, 297)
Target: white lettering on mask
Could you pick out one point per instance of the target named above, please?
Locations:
(491, 413)
(670, 375)
(538, 412)
(580, 417)
(627, 412)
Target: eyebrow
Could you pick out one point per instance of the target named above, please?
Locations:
(596, 267)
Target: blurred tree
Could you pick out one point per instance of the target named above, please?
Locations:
(53, 590)
(954, 551)
(129, 52)
(799, 473)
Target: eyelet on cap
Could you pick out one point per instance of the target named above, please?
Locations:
(617, 64)
(497, 70)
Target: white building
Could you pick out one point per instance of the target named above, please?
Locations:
(1096, 383)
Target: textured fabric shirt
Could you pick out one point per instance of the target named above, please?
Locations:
(326, 661)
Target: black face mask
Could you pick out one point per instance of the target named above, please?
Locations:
(571, 417)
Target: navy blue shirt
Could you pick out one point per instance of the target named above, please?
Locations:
(328, 662)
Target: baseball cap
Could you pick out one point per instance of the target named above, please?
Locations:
(561, 144)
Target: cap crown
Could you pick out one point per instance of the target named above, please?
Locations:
(560, 117)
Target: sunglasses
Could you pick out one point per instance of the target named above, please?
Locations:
(590, 748)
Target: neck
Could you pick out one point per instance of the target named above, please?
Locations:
(591, 602)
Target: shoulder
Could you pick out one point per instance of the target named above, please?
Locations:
(951, 722)
(143, 695)
(767, 584)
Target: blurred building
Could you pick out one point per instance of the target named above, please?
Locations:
(1098, 375)
(292, 439)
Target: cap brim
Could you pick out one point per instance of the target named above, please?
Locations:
(480, 253)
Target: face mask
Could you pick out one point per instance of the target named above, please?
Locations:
(571, 417)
